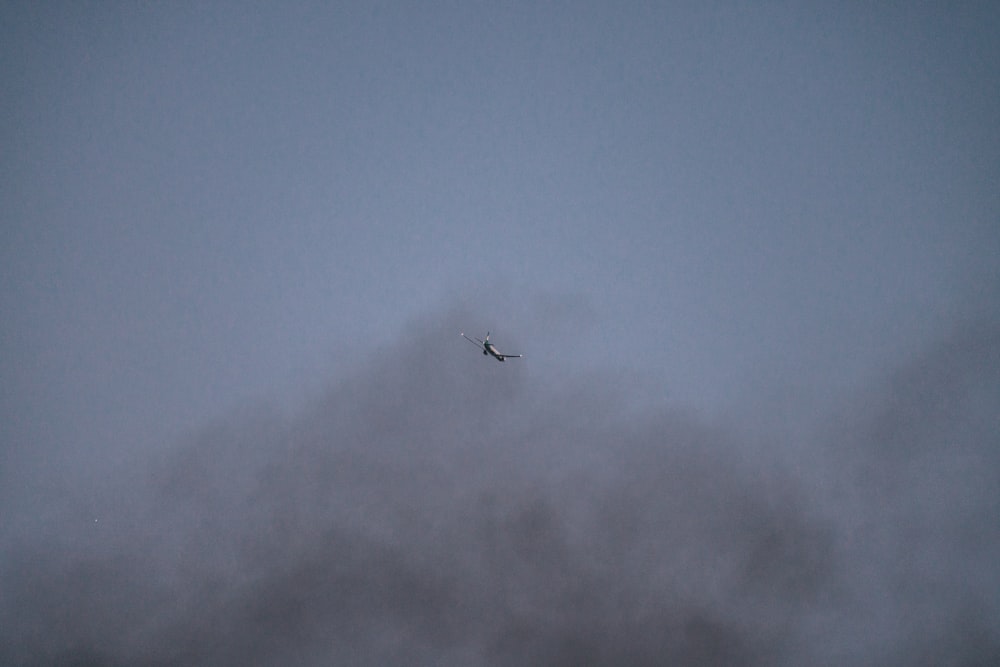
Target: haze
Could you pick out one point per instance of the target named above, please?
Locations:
(750, 256)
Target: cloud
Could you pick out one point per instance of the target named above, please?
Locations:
(436, 508)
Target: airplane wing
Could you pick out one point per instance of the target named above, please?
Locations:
(515, 356)
(478, 343)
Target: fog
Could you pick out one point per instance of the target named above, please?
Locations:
(435, 507)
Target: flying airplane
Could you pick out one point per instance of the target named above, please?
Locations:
(488, 348)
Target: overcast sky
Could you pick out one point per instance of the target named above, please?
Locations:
(238, 242)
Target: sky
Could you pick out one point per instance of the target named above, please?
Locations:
(751, 256)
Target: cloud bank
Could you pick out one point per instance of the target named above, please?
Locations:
(438, 508)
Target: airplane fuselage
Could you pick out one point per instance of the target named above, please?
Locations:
(489, 349)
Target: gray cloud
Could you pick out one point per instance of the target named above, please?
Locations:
(436, 508)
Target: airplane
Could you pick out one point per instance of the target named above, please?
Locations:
(488, 348)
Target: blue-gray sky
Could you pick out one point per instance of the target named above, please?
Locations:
(751, 214)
